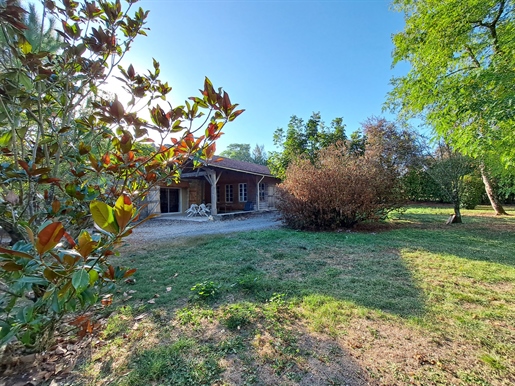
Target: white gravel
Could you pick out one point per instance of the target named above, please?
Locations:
(166, 227)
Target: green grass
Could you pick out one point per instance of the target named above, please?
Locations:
(410, 301)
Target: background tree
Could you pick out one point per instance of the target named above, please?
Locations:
(398, 148)
(241, 152)
(259, 155)
(303, 138)
(73, 159)
(449, 169)
(238, 151)
(345, 184)
(461, 80)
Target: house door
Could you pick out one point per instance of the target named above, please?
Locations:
(169, 199)
(271, 196)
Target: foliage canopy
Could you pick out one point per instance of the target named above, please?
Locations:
(461, 80)
(73, 159)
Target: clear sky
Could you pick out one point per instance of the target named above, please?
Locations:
(276, 58)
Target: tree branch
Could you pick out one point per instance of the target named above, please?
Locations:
(472, 56)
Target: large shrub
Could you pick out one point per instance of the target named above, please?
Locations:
(339, 189)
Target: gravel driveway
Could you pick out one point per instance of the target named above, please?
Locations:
(163, 228)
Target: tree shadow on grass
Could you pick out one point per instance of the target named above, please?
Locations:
(472, 240)
(380, 281)
(362, 267)
(351, 267)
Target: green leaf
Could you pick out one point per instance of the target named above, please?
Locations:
(56, 306)
(123, 210)
(103, 216)
(25, 46)
(5, 138)
(7, 332)
(80, 280)
(93, 277)
(32, 280)
(25, 81)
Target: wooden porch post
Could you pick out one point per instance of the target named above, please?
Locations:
(212, 179)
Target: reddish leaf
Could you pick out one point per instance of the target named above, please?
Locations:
(11, 266)
(233, 116)
(24, 165)
(226, 105)
(70, 239)
(131, 72)
(49, 237)
(117, 110)
(130, 272)
(56, 205)
(106, 159)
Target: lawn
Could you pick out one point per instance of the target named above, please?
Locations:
(411, 301)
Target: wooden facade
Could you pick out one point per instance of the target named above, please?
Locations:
(227, 185)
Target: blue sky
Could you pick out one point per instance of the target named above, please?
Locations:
(276, 58)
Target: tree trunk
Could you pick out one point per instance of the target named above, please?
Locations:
(494, 200)
(456, 217)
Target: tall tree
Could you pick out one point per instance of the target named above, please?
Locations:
(39, 32)
(303, 138)
(241, 152)
(461, 81)
(448, 168)
(237, 151)
(259, 155)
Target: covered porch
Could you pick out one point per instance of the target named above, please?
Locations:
(225, 186)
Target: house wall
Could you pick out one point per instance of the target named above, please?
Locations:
(153, 198)
(234, 179)
(196, 192)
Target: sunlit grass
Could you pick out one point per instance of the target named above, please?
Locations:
(412, 300)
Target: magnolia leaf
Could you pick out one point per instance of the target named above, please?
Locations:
(15, 253)
(86, 244)
(80, 280)
(93, 277)
(123, 211)
(49, 237)
(103, 216)
(5, 138)
(11, 266)
(25, 46)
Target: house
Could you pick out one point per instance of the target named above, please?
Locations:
(228, 185)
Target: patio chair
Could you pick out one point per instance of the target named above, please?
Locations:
(193, 210)
(203, 210)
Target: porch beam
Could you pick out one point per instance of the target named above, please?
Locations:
(193, 174)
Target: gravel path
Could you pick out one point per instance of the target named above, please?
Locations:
(163, 228)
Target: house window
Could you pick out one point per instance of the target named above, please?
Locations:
(262, 191)
(218, 193)
(242, 192)
(228, 193)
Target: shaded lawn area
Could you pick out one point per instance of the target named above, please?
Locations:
(410, 301)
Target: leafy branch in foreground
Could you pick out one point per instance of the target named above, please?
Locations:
(72, 158)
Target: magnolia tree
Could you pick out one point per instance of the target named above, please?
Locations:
(74, 164)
